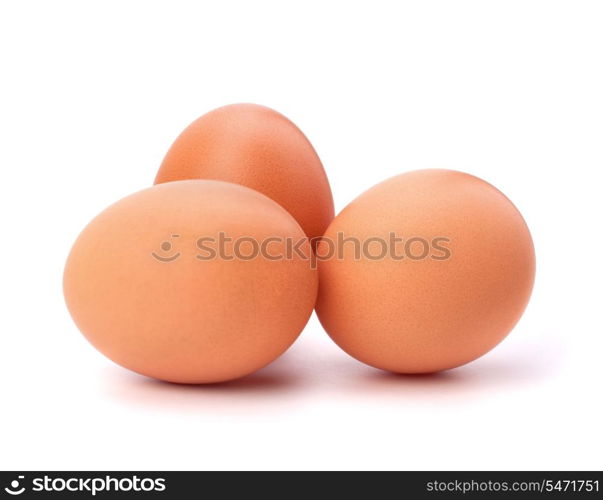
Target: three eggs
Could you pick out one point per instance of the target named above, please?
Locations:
(213, 273)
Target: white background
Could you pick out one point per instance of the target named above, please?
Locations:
(91, 97)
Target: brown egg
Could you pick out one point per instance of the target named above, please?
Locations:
(257, 147)
(446, 288)
(182, 281)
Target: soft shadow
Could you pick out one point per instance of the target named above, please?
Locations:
(516, 369)
(264, 391)
(312, 372)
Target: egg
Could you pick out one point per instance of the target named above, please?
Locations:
(424, 272)
(259, 148)
(191, 281)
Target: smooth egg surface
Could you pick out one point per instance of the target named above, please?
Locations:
(171, 281)
(429, 270)
(257, 147)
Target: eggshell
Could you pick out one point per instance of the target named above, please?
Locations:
(257, 147)
(146, 293)
(425, 313)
